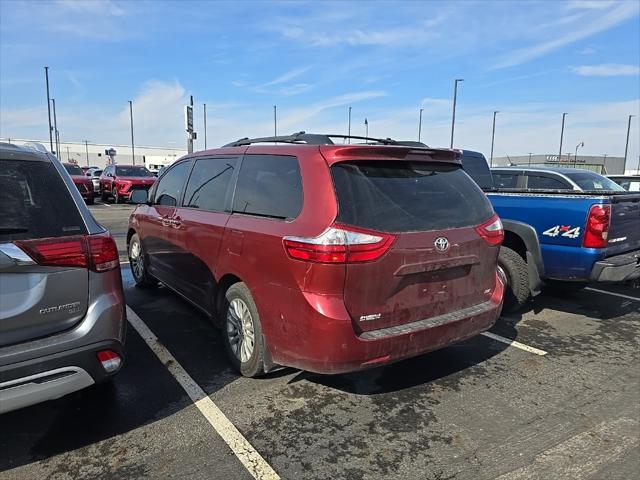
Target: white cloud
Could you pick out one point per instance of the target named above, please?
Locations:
(606, 70)
(287, 76)
(617, 13)
(97, 7)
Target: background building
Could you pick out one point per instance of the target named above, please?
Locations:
(601, 164)
(95, 154)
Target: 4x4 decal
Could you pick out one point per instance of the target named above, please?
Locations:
(563, 230)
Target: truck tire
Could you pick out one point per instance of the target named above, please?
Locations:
(517, 290)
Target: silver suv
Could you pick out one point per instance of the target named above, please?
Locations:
(62, 309)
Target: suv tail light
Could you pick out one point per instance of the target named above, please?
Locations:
(340, 244)
(492, 231)
(597, 228)
(97, 252)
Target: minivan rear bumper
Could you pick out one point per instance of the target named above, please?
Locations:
(332, 346)
(54, 376)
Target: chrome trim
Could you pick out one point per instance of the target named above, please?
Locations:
(16, 254)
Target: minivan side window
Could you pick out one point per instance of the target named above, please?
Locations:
(269, 186)
(540, 182)
(209, 183)
(169, 189)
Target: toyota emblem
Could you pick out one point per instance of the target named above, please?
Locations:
(441, 244)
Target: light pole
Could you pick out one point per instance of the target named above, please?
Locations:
(366, 129)
(275, 121)
(420, 125)
(46, 75)
(205, 125)
(349, 127)
(55, 128)
(530, 153)
(86, 149)
(455, 99)
(575, 157)
(67, 154)
(133, 150)
(626, 145)
(561, 137)
(493, 136)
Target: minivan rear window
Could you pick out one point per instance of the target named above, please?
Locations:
(36, 202)
(399, 196)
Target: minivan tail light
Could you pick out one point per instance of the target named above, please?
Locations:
(597, 229)
(492, 230)
(340, 244)
(97, 252)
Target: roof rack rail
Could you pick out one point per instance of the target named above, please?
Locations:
(313, 139)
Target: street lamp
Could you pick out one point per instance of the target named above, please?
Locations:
(530, 153)
(46, 74)
(420, 124)
(275, 121)
(205, 126)
(493, 135)
(626, 145)
(455, 98)
(349, 127)
(86, 146)
(561, 137)
(133, 151)
(366, 129)
(575, 157)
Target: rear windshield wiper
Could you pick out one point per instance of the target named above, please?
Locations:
(13, 230)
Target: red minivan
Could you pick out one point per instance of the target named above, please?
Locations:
(328, 258)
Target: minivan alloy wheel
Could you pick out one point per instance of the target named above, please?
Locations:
(240, 330)
(137, 260)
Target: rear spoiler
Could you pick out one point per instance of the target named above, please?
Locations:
(378, 152)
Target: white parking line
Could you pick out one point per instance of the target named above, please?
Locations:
(513, 343)
(629, 297)
(250, 458)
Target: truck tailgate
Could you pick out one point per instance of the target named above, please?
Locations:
(624, 230)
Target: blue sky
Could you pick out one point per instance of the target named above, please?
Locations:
(529, 60)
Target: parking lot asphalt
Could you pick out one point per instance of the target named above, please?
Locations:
(481, 409)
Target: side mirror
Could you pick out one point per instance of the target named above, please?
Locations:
(139, 197)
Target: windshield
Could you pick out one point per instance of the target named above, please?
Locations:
(96, 173)
(73, 169)
(593, 181)
(133, 172)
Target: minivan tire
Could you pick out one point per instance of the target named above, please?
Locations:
(140, 275)
(517, 291)
(239, 294)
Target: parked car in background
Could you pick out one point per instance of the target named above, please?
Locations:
(62, 321)
(631, 183)
(563, 227)
(86, 170)
(328, 258)
(551, 178)
(94, 175)
(119, 181)
(82, 183)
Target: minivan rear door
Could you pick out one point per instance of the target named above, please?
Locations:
(438, 262)
(38, 210)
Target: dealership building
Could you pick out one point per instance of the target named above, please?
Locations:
(601, 164)
(100, 154)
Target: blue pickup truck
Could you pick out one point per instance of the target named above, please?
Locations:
(562, 237)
